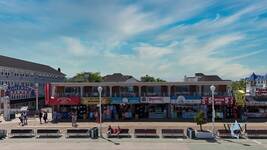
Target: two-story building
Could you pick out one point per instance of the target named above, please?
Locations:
(125, 98)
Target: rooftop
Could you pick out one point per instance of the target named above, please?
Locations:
(22, 64)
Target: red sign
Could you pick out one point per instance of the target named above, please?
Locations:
(261, 91)
(218, 100)
(72, 100)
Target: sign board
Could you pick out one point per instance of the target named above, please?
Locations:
(256, 103)
(218, 100)
(155, 100)
(125, 100)
(185, 100)
(72, 100)
(94, 100)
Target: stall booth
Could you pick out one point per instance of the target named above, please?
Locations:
(156, 107)
(62, 106)
(125, 108)
(224, 107)
(256, 107)
(185, 107)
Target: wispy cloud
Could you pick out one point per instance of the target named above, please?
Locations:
(165, 38)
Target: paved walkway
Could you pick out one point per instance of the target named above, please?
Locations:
(34, 123)
(131, 144)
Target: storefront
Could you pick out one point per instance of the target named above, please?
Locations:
(124, 108)
(224, 107)
(185, 107)
(156, 107)
(256, 109)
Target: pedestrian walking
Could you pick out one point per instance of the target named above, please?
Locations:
(74, 119)
(25, 118)
(40, 116)
(45, 117)
(21, 120)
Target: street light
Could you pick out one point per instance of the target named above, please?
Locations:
(36, 96)
(212, 88)
(100, 110)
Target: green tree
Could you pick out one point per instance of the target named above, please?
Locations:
(200, 119)
(148, 78)
(86, 77)
(239, 92)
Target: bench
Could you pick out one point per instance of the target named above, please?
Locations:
(22, 133)
(145, 133)
(172, 133)
(2, 134)
(123, 133)
(223, 133)
(48, 133)
(256, 133)
(78, 133)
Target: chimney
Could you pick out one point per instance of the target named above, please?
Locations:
(58, 69)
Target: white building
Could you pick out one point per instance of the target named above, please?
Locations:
(22, 78)
(256, 85)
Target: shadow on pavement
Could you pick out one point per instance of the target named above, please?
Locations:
(109, 140)
(213, 141)
(236, 142)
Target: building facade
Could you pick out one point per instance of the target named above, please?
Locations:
(256, 96)
(23, 78)
(134, 100)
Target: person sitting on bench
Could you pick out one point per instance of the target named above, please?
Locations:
(110, 130)
(117, 131)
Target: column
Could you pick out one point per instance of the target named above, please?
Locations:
(139, 90)
(110, 91)
(81, 91)
(169, 90)
(199, 90)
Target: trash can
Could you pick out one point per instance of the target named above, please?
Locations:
(190, 132)
(94, 133)
(12, 116)
(3, 134)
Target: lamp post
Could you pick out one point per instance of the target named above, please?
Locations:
(3, 89)
(212, 88)
(100, 111)
(36, 96)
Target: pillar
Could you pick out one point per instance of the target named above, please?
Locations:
(199, 90)
(139, 90)
(81, 91)
(169, 90)
(110, 91)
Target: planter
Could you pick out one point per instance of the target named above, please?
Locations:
(204, 135)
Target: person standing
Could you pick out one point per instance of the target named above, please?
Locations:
(73, 119)
(21, 120)
(40, 116)
(45, 117)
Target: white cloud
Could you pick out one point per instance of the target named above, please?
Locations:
(146, 51)
(203, 56)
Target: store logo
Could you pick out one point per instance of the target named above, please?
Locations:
(125, 100)
(180, 99)
(63, 100)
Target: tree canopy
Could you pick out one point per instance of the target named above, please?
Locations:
(86, 77)
(148, 78)
(239, 88)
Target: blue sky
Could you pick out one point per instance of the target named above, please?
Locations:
(163, 38)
